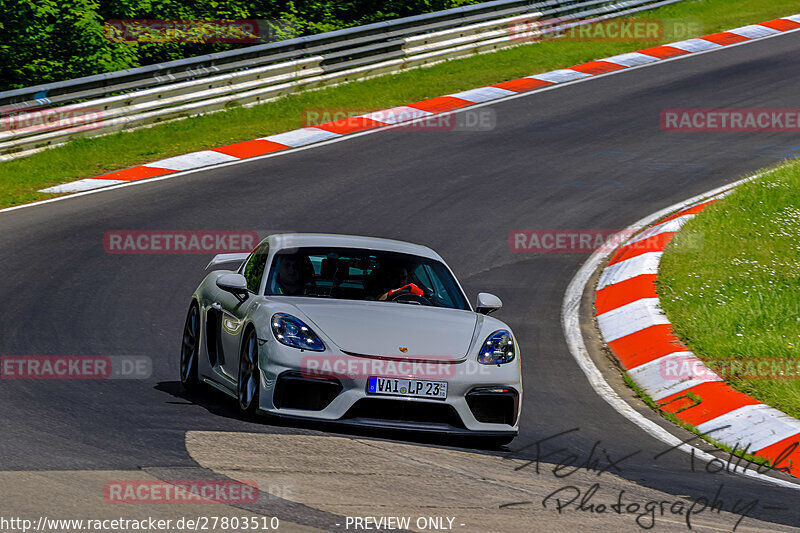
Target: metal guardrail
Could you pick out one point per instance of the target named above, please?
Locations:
(143, 96)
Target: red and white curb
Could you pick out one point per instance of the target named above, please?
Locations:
(417, 110)
(643, 341)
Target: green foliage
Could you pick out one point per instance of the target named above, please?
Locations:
(45, 40)
(737, 295)
(52, 40)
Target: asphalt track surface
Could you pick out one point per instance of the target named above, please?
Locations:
(587, 156)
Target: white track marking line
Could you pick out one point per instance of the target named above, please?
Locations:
(483, 94)
(632, 59)
(671, 374)
(395, 115)
(646, 263)
(757, 425)
(192, 160)
(754, 31)
(669, 226)
(570, 319)
(562, 75)
(300, 137)
(695, 45)
(630, 318)
(86, 184)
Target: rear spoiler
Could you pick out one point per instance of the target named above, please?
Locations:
(227, 258)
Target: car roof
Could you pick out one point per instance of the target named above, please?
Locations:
(301, 240)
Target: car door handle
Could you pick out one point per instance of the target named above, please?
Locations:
(216, 306)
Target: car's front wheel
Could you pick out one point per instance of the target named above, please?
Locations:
(249, 382)
(190, 348)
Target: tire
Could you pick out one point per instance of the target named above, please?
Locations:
(190, 349)
(248, 384)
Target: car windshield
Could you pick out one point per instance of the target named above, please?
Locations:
(357, 274)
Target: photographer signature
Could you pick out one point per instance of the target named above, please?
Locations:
(599, 461)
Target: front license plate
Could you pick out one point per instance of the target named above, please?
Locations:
(407, 387)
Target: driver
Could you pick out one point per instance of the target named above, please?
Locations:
(395, 276)
(292, 275)
(391, 278)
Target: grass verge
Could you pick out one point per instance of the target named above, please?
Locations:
(736, 296)
(21, 179)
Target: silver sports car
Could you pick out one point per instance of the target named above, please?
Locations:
(354, 330)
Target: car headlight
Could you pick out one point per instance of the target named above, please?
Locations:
(292, 331)
(498, 348)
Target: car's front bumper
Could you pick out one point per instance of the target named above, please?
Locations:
(284, 368)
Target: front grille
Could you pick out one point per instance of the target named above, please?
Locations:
(293, 391)
(405, 411)
(494, 405)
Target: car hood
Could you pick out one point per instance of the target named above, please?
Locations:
(381, 329)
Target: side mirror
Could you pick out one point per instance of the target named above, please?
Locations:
(487, 303)
(235, 284)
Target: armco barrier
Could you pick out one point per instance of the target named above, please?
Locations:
(433, 113)
(133, 98)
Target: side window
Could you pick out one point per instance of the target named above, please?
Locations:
(254, 268)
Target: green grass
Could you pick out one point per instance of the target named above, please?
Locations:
(737, 294)
(20, 179)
